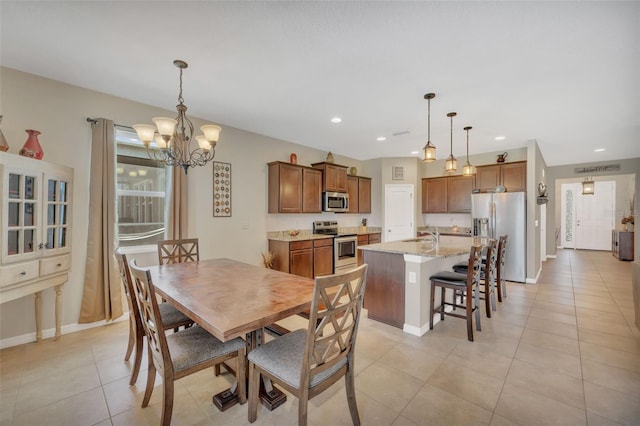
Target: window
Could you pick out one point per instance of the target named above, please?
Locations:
(140, 192)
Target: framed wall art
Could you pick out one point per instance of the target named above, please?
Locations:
(397, 173)
(221, 189)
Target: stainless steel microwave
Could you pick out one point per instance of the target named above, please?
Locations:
(335, 202)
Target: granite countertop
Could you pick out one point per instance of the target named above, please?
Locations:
(419, 247)
(307, 234)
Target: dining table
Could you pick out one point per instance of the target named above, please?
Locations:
(233, 299)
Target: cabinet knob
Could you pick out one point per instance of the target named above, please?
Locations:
(23, 273)
(59, 265)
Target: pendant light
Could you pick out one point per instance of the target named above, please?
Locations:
(468, 169)
(429, 150)
(588, 186)
(451, 165)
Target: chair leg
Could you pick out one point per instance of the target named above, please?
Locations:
(216, 370)
(351, 396)
(431, 307)
(151, 379)
(487, 296)
(504, 288)
(132, 339)
(254, 388)
(469, 309)
(139, 339)
(167, 401)
(303, 402)
(442, 300)
(476, 301)
(241, 361)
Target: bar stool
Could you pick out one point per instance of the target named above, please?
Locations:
(466, 283)
(487, 276)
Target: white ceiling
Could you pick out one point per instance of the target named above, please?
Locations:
(566, 74)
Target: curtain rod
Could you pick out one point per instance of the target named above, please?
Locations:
(95, 120)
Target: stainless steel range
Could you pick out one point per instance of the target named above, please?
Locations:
(345, 246)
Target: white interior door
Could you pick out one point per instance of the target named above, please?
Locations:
(596, 217)
(399, 211)
(587, 220)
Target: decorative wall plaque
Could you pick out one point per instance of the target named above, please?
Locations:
(221, 189)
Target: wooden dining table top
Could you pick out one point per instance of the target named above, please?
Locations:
(230, 298)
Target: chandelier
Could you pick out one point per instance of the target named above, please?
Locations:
(429, 150)
(468, 169)
(174, 136)
(451, 165)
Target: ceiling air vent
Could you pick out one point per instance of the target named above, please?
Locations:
(404, 132)
(597, 169)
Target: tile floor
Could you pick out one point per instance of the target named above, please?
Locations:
(560, 352)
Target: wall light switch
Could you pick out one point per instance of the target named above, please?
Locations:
(412, 277)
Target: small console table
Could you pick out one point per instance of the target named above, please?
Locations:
(622, 244)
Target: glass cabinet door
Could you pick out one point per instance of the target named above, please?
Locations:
(21, 218)
(57, 218)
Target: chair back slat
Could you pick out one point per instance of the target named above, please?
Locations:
(490, 267)
(333, 322)
(475, 265)
(150, 315)
(178, 251)
(502, 250)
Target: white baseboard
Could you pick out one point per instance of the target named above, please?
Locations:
(51, 332)
(551, 256)
(534, 280)
(421, 331)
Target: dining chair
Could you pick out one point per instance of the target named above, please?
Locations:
(178, 251)
(179, 354)
(467, 283)
(501, 282)
(307, 362)
(171, 317)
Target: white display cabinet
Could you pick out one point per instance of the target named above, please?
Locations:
(35, 240)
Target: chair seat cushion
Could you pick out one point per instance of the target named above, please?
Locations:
(170, 315)
(195, 345)
(450, 277)
(283, 358)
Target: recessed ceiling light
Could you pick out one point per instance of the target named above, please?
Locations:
(500, 138)
(599, 150)
(381, 139)
(415, 152)
(336, 120)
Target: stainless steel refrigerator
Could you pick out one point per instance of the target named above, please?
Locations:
(505, 213)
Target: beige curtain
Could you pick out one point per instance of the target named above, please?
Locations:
(102, 296)
(177, 206)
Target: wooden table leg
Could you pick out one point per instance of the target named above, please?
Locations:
(38, 306)
(270, 396)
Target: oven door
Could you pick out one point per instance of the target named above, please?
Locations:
(345, 253)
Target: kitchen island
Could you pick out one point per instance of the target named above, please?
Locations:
(398, 283)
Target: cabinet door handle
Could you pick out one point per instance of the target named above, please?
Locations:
(23, 273)
(59, 265)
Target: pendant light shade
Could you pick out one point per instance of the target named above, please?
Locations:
(588, 186)
(468, 169)
(451, 165)
(429, 150)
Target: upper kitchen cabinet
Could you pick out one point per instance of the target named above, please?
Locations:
(459, 194)
(434, 195)
(334, 176)
(359, 190)
(294, 189)
(513, 176)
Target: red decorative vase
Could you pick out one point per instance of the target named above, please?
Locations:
(32, 148)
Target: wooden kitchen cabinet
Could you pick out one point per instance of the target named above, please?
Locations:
(434, 195)
(459, 194)
(306, 258)
(334, 176)
(513, 176)
(322, 257)
(359, 190)
(622, 244)
(294, 189)
(366, 239)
